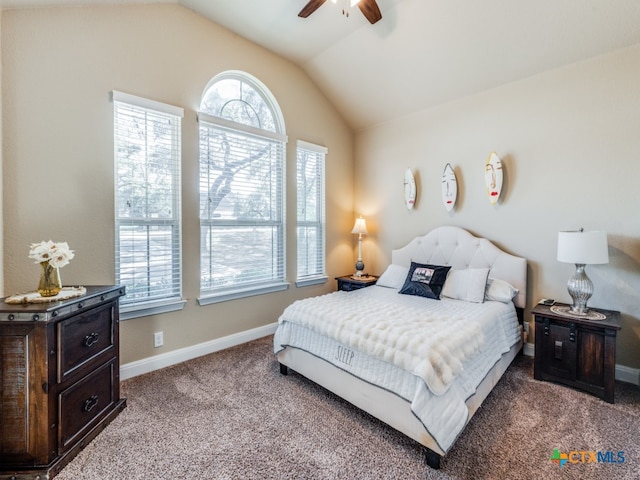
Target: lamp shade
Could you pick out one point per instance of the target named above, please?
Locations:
(583, 247)
(360, 227)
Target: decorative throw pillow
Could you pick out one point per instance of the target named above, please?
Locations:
(425, 280)
(468, 284)
(499, 290)
(393, 277)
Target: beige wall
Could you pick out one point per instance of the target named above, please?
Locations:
(59, 66)
(570, 143)
(1, 173)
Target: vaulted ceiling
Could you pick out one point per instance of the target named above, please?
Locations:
(423, 52)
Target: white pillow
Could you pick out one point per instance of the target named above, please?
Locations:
(499, 291)
(393, 277)
(468, 285)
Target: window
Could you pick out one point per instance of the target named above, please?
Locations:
(147, 204)
(242, 218)
(310, 213)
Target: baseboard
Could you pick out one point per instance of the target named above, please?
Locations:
(628, 374)
(623, 373)
(528, 349)
(146, 365)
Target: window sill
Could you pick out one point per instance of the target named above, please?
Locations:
(241, 293)
(311, 281)
(127, 312)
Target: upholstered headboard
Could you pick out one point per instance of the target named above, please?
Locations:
(456, 247)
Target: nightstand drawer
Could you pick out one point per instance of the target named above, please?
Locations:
(559, 350)
(84, 402)
(83, 338)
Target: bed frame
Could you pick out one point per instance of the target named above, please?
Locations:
(446, 245)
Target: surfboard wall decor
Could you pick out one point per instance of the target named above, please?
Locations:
(493, 177)
(409, 189)
(449, 187)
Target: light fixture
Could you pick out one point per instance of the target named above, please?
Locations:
(346, 4)
(360, 228)
(582, 248)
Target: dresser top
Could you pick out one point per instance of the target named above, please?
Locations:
(44, 312)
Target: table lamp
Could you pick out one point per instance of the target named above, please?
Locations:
(582, 248)
(359, 228)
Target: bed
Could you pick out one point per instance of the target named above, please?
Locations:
(421, 365)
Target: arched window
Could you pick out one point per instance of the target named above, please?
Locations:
(242, 213)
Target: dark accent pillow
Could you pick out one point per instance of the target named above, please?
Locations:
(425, 280)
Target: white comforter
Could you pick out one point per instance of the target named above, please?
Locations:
(448, 345)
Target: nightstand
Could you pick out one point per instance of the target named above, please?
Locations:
(348, 283)
(577, 352)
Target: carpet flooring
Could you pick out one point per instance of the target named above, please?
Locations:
(231, 415)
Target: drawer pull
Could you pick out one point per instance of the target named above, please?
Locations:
(558, 350)
(91, 339)
(90, 403)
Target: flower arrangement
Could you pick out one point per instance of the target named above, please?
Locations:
(51, 256)
(56, 254)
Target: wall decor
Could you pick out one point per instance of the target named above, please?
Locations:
(493, 177)
(449, 187)
(409, 189)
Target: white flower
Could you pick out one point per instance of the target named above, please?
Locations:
(57, 254)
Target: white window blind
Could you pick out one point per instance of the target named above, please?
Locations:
(147, 141)
(242, 211)
(310, 187)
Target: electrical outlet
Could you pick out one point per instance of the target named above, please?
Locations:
(158, 339)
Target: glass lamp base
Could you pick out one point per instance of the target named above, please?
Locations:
(580, 288)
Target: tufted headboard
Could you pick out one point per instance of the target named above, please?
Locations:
(456, 247)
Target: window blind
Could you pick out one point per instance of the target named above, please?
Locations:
(241, 208)
(147, 143)
(310, 188)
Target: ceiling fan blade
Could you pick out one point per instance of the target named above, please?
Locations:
(370, 10)
(310, 7)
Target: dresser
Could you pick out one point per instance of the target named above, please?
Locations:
(577, 352)
(59, 379)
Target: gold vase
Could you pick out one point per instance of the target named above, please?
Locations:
(50, 283)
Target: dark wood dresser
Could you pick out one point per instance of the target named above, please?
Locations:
(577, 352)
(59, 379)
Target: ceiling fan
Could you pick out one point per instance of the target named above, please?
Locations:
(369, 8)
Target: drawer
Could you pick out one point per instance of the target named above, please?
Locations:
(83, 338)
(82, 405)
(559, 351)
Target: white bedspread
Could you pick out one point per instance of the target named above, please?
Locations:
(405, 334)
(448, 346)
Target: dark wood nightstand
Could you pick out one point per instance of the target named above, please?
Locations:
(348, 283)
(577, 352)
